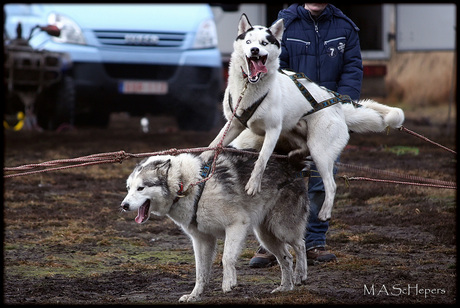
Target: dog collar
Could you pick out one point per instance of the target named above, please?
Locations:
(181, 189)
(180, 192)
(244, 73)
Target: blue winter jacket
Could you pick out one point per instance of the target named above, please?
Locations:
(326, 49)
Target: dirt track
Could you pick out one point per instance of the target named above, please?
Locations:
(65, 241)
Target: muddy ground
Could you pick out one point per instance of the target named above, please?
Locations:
(66, 242)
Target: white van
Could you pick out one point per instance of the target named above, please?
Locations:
(139, 58)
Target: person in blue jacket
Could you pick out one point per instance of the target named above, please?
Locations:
(323, 43)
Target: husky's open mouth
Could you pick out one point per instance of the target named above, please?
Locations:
(143, 213)
(256, 66)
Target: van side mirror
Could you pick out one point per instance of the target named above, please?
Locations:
(51, 30)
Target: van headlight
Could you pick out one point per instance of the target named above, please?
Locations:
(70, 32)
(206, 35)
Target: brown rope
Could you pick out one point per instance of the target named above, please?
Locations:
(402, 128)
(94, 159)
(120, 156)
(360, 178)
(395, 174)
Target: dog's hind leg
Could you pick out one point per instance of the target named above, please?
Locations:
(282, 254)
(324, 162)
(235, 236)
(330, 188)
(204, 247)
(300, 272)
(326, 141)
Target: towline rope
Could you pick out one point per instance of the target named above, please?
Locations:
(448, 184)
(108, 158)
(360, 178)
(404, 129)
(120, 156)
(94, 159)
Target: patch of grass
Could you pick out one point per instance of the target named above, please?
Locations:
(340, 236)
(359, 238)
(352, 263)
(102, 259)
(387, 200)
(402, 150)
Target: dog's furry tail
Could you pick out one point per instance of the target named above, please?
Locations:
(372, 116)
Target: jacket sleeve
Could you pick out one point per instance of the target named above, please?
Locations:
(352, 74)
(287, 15)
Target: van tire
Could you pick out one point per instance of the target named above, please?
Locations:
(55, 106)
(197, 119)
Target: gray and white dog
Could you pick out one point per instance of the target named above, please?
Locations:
(166, 185)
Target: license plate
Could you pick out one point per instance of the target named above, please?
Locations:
(143, 87)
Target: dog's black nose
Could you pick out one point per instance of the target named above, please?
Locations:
(254, 51)
(125, 206)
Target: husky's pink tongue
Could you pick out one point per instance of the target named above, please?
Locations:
(257, 66)
(143, 212)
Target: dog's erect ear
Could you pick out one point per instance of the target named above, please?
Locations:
(164, 167)
(244, 24)
(277, 29)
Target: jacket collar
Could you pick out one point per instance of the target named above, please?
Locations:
(292, 13)
(304, 14)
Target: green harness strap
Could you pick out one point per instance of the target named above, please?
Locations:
(247, 113)
(338, 98)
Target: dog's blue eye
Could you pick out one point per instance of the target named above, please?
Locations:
(248, 42)
(140, 188)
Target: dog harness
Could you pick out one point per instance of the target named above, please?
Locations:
(297, 78)
(338, 98)
(205, 170)
(247, 113)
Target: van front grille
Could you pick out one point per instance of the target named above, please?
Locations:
(140, 39)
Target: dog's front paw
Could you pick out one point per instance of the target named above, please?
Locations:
(300, 279)
(283, 288)
(207, 155)
(252, 188)
(188, 298)
(227, 287)
(254, 185)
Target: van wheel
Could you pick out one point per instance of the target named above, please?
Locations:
(56, 105)
(197, 119)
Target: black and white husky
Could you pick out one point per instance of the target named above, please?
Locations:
(271, 105)
(163, 185)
